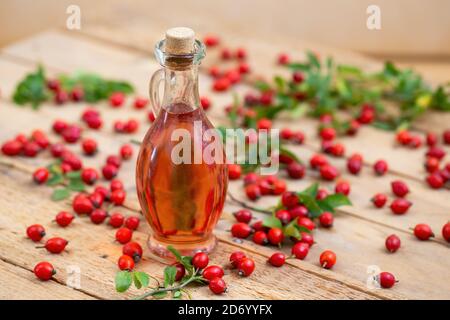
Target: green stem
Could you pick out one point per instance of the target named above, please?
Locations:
(247, 206)
(160, 290)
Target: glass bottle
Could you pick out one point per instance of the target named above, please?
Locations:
(182, 202)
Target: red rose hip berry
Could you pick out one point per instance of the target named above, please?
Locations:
(379, 200)
(211, 272)
(392, 243)
(326, 219)
(236, 257)
(124, 235)
(125, 263)
(327, 259)
(399, 188)
(35, 232)
(386, 280)
(423, 232)
(446, 232)
(44, 271)
(380, 167)
(400, 206)
(300, 250)
(40, 176)
(243, 216)
(64, 218)
(246, 267)
(277, 259)
(275, 236)
(56, 245)
(200, 260)
(132, 223)
(241, 230)
(217, 286)
(134, 250)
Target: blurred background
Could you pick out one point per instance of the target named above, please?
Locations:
(412, 31)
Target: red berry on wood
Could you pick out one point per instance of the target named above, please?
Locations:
(317, 161)
(241, 230)
(277, 259)
(307, 238)
(124, 235)
(306, 222)
(253, 191)
(109, 171)
(236, 257)
(116, 220)
(275, 236)
(328, 133)
(12, 148)
(289, 199)
(132, 223)
(246, 267)
(64, 218)
(284, 216)
(211, 272)
(35, 232)
(81, 204)
(181, 271)
(126, 151)
(221, 84)
(326, 219)
(217, 286)
(31, 149)
(328, 172)
(446, 136)
(386, 280)
(140, 103)
(234, 171)
(205, 103)
(71, 134)
(125, 263)
(400, 206)
(40, 176)
(89, 146)
(327, 259)
(435, 181)
(44, 271)
(399, 188)
(392, 243)
(423, 232)
(379, 200)
(116, 99)
(446, 232)
(98, 216)
(250, 178)
(354, 166)
(133, 249)
(260, 237)
(264, 124)
(300, 250)
(56, 245)
(295, 170)
(283, 59)
(298, 211)
(89, 176)
(380, 167)
(243, 215)
(200, 260)
(342, 187)
(436, 152)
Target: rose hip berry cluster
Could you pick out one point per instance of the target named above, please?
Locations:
(257, 186)
(224, 79)
(27, 146)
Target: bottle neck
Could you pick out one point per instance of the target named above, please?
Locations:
(181, 87)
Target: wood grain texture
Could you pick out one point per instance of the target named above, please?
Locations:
(359, 231)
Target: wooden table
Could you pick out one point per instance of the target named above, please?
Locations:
(357, 237)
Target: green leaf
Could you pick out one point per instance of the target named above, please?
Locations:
(141, 279)
(311, 190)
(55, 179)
(32, 89)
(60, 194)
(291, 230)
(76, 185)
(74, 174)
(160, 295)
(177, 294)
(311, 203)
(169, 275)
(123, 281)
(262, 86)
(337, 200)
(272, 222)
(289, 153)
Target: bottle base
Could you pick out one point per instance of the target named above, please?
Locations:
(158, 248)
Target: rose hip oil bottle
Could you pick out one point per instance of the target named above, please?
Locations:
(182, 202)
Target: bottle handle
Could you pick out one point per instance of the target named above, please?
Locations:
(155, 82)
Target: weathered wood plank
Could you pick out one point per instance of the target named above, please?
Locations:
(93, 250)
(21, 284)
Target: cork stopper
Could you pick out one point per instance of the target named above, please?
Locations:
(179, 41)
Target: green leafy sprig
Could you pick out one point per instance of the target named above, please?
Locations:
(64, 183)
(124, 280)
